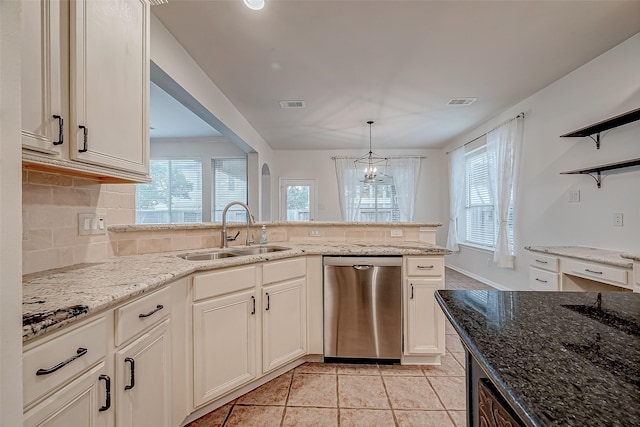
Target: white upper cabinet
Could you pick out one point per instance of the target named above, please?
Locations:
(85, 77)
(110, 83)
(43, 66)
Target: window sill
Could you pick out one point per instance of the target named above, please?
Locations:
(477, 248)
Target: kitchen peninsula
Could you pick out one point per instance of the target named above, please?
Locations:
(549, 358)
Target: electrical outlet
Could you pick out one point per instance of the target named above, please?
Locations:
(92, 224)
(617, 220)
(396, 232)
(573, 196)
(314, 233)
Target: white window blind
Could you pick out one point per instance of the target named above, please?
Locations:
(174, 194)
(481, 224)
(229, 185)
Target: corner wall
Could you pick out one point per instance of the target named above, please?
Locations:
(604, 87)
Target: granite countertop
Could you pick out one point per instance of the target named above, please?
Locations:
(123, 228)
(55, 298)
(558, 358)
(633, 257)
(603, 256)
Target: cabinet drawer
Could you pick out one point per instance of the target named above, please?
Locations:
(598, 272)
(542, 280)
(544, 262)
(277, 271)
(223, 282)
(135, 317)
(53, 363)
(424, 266)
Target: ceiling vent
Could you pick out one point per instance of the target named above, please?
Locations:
(461, 102)
(158, 2)
(291, 104)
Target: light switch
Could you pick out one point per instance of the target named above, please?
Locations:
(574, 196)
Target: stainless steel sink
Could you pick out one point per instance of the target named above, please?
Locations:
(256, 250)
(208, 256)
(228, 253)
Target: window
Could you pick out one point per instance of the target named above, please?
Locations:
(297, 199)
(174, 194)
(481, 227)
(378, 202)
(229, 185)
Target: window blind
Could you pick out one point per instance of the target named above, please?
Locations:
(229, 184)
(480, 221)
(174, 194)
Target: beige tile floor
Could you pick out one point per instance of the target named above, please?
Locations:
(318, 394)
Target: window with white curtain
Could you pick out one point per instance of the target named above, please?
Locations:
(481, 226)
(174, 194)
(229, 177)
(389, 199)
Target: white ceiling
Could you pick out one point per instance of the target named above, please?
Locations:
(395, 62)
(170, 119)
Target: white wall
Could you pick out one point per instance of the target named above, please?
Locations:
(607, 86)
(209, 102)
(10, 218)
(317, 164)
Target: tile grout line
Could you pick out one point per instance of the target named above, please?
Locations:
(286, 401)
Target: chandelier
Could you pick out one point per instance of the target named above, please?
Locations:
(371, 162)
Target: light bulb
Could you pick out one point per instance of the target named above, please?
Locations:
(254, 4)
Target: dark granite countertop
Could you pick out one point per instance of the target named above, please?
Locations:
(558, 358)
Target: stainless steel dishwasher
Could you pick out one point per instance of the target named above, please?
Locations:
(362, 308)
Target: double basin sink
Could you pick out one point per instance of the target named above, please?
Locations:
(229, 253)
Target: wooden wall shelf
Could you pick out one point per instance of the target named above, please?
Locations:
(594, 172)
(597, 128)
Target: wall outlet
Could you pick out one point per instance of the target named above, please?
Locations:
(314, 233)
(617, 220)
(573, 196)
(396, 232)
(92, 224)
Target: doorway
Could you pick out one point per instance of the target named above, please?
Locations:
(297, 199)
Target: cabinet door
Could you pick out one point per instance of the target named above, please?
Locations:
(284, 323)
(425, 319)
(77, 404)
(42, 58)
(143, 380)
(110, 83)
(224, 345)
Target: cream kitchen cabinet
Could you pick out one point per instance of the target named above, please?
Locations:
(284, 317)
(143, 380)
(67, 377)
(224, 332)
(424, 337)
(101, 95)
(44, 63)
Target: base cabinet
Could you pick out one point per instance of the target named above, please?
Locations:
(224, 344)
(284, 325)
(83, 402)
(144, 380)
(422, 310)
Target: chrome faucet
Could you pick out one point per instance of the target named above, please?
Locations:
(225, 238)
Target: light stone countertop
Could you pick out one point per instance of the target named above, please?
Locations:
(55, 298)
(603, 256)
(123, 228)
(633, 257)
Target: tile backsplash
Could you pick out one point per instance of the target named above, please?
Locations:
(51, 203)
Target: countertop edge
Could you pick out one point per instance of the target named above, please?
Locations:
(565, 251)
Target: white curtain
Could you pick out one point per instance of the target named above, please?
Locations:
(348, 194)
(503, 144)
(456, 195)
(405, 172)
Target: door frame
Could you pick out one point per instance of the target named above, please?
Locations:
(284, 182)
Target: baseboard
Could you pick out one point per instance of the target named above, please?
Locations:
(478, 278)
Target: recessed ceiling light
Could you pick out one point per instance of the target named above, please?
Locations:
(254, 4)
(461, 102)
(291, 104)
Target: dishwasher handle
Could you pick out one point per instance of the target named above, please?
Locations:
(363, 266)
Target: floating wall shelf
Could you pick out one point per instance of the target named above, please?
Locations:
(594, 172)
(596, 129)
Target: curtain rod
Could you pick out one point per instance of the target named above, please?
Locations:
(478, 137)
(388, 157)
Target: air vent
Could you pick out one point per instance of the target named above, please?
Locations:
(461, 102)
(291, 104)
(158, 2)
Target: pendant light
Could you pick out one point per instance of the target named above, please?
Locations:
(371, 162)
